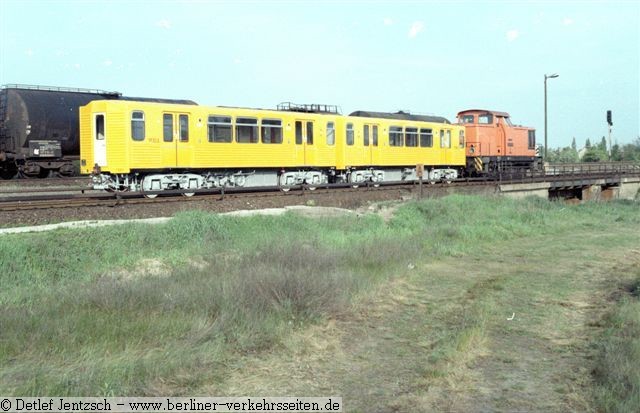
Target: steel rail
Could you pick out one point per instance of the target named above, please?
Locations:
(64, 199)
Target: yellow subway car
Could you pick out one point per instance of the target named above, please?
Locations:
(148, 146)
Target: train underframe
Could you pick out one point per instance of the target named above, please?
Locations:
(285, 179)
(20, 167)
(495, 166)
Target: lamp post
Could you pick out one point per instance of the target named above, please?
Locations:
(545, 110)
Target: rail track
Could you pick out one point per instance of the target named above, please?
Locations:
(65, 199)
(75, 192)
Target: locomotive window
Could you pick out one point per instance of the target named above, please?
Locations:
(395, 136)
(445, 138)
(467, 118)
(309, 133)
(349, 133)
(331, 133)
(366, 135)
(411, 137)
(485, 119)
(375, 135)
(184, 128)
(271, 131)
(219, 128)
(167, 127)
(532, 139)
(246, 130)
(137, 126)
(426, 138)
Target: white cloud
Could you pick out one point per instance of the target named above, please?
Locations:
(416, 28)
(107, 62)
(29, 52)
(76, 66)
(512, 35)
(387, 21)
(567, 21)
(164, 24)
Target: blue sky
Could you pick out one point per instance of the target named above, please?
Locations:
(427, 57)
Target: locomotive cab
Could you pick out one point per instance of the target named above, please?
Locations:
(495, 145)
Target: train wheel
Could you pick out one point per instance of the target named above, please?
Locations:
(283, 187)
(353, 180)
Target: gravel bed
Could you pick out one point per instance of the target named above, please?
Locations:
(343, 199)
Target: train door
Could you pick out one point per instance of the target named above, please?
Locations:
(501, 137)
(445, 146)
(99, 140)
(507, 140)
(305, 141)
(370, 141)
(175, 150)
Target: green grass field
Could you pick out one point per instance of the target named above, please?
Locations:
(461, 303)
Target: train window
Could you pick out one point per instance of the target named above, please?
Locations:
(137, 126)
(349, 133)
(485, 119)
(366, 135)
(271, 131)
(445, 138)
(375, 135)
(467, 118)
(426, 138)
(219, 128)
(331, 133)
(309, 133)
(167, 127)
(184, 128)
(246, 130)
(99, 127)
(395, 136)
(461, 139)
(298, 132)
(532, 139)
(411, 137)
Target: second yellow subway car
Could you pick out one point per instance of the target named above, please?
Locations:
(131, 145)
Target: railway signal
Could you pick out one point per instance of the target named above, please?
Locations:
(610, 122)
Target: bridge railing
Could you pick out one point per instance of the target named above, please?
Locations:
(589, 168)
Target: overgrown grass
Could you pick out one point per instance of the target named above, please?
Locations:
(142, 310)
(617, 372)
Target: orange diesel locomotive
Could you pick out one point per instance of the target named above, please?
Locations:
(495, 145)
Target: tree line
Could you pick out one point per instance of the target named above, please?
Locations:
(595, 152)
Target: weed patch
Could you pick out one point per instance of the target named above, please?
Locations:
(617, 372)
(142, 310)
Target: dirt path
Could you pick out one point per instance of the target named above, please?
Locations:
(460, 334)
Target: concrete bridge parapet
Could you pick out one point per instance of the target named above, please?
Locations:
(523, 190)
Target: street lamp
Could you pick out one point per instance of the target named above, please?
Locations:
(545, 110)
